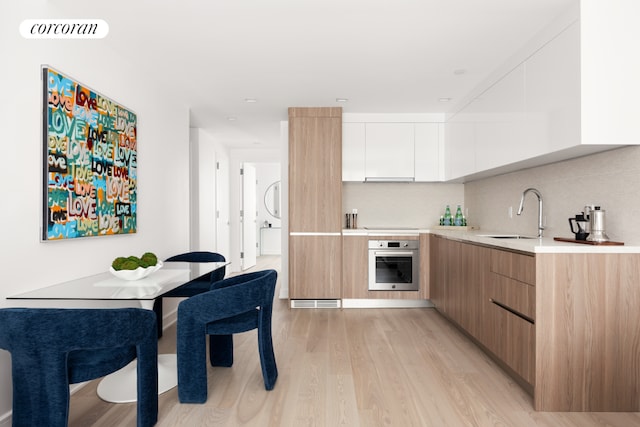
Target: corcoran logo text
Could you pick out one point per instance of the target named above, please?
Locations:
(64, 28)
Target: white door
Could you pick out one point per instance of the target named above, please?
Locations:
(222, 209)
(249, 214)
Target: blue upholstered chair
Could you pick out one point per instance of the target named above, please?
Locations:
(233, 305)
(194, 287)
(52, 348)
(203, 283)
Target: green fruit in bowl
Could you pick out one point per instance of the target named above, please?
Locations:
(118, 262)
(129, 265)
(149, 259)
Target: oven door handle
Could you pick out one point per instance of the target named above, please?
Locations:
(394, 253)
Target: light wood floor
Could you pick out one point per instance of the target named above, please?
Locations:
(352, 367)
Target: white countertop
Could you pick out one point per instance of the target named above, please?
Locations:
(535, 245)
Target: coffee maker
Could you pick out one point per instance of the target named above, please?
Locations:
(597, 226)
(580, 226)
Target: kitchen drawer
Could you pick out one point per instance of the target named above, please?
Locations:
(512, 340)
(513, 295)
(514, 265)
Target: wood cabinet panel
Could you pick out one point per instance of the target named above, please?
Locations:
(436, 272)
(514, 265)
(588, 332)
(315, 267)
(474, 260)
(315, 170)
(515, 295)
(512, 340)
(355, 266)
(425, 275)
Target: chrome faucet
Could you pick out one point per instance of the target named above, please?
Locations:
(537, 193)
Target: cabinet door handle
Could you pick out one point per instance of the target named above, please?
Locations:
(512, 311)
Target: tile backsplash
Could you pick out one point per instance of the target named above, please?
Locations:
(417, 205)
(610, 179)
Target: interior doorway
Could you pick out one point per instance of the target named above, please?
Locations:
(261, 208)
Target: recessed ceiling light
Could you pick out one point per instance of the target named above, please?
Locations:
(232, 118)
(250, 100)
(342, 100)
(444, 99)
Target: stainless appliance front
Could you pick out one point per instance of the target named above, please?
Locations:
(394, 265)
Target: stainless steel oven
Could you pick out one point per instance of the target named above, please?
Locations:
(394, 265)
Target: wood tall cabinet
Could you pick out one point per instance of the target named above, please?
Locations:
(315, 203)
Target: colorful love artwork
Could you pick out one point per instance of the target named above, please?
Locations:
(90, 161)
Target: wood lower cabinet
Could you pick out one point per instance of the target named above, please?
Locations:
(474, 286)
(512, 339)
(566, 326)
(315, 267)
(437, 272)
(458, 274)
(355, 266)
(588, 332)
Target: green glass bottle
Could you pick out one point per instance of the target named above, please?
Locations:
(447, 216)
(458, 219)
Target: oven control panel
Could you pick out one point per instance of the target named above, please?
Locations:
(394, 244)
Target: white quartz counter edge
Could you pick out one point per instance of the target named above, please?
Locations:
(544, 245)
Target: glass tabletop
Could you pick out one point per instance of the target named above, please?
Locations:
(105, 286)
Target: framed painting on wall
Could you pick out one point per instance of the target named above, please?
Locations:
(90, 161)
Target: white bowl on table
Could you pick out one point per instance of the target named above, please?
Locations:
(137, 274)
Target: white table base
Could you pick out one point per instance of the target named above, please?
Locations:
(121, 386)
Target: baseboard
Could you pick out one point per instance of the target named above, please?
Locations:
(386, 303)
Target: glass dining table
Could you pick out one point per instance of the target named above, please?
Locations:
(104, 290)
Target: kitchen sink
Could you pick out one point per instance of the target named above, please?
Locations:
(506, 236)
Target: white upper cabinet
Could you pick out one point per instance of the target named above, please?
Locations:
(552, 91)
(498, 114)
(428, 141)
(353, 149)
(392, 147)
(389, 151)
(460, 151)
(570, 92)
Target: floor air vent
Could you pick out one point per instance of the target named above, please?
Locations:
(315, 303)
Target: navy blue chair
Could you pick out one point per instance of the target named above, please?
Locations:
(194, 287)
(52, 348)
(238, 304)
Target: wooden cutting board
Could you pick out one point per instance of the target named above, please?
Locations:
(586, 242)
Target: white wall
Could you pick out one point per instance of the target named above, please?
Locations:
(610, 179)
(163, 162)
(205, 200)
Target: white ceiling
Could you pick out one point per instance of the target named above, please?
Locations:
(385, 56)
